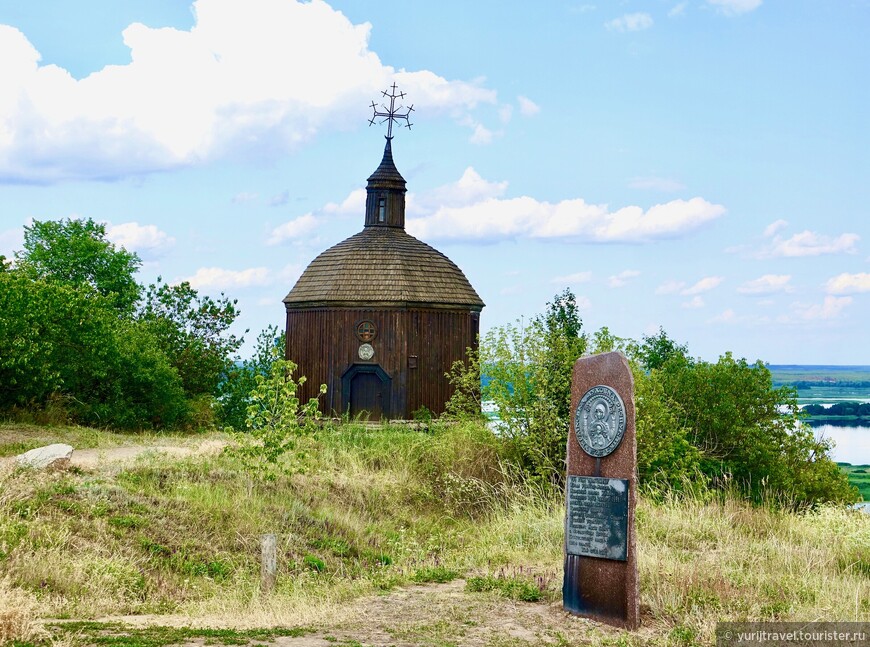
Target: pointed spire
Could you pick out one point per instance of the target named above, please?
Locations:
(387, 176)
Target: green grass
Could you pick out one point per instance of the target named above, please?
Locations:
(859, 476)
(114, 634)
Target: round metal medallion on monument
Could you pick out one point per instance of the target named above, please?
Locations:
(599, 422)
(366, 352)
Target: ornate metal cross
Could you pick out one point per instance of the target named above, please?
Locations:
(393, 113)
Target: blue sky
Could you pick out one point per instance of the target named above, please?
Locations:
(698, 165)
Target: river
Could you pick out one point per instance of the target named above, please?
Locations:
(852, 442)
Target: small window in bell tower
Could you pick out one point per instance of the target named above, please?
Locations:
(382, 210)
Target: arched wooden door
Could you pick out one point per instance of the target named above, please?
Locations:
(366, 390)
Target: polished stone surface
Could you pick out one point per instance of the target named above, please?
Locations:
(594, 587)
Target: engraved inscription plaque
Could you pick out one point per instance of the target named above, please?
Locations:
(597, 519)
(599, 421)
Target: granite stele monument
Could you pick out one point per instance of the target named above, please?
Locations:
(600, 549)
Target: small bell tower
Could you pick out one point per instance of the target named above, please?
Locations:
(385, 199)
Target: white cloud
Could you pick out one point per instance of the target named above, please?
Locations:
(471, 188)
(573, 279)
(704, 285)
(294, 229)
(583, 303)
(848, 283)
(621, 279)
(528, 108)
(216, 278)
(774, 227)
(767, 284)
(726, 316)
(630, 22)
(474, 209)
(662, 184)
(810, 243)
(308, 224)
(481, 135)
(734, 7)
(830, 308)
(670, 287)
(256, 78)
(493, 218)
(146, 240)
(678, 9)
(694, 302)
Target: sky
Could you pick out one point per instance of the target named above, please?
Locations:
(701, 166)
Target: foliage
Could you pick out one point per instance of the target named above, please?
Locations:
(530, 370)
(62, 341)
(464, 377)
(192, 331)
(77, 253)
(277, 422)
(666, 458)
(234, 391)
(74, 337)
(747, 431)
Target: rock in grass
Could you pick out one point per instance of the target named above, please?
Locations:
(55, 456)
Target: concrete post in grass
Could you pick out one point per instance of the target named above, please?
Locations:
(601, 492)
(268, 563)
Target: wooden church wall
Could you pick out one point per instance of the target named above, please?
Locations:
(415, 347)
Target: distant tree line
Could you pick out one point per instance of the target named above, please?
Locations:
(857, 409)
(814, 384)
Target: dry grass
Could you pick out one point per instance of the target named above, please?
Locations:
(180, 536)
(19, 615)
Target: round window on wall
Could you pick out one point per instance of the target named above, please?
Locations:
(366, 331)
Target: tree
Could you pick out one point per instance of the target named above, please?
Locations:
(64, 343)
(278, 424)
(748, 432)
(530, 370)
(76, 252)
(193, 332)
(234, 391)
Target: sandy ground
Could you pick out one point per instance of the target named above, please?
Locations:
(428, 615)
(91, 458)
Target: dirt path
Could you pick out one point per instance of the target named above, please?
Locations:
(425, 616)
(91, 458)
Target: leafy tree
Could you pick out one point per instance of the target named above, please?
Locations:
(749, 432)
(234, 391)
(58, 341)
(277, 422)
(464, 376)
(655, 351)
(530, 369)
(76, 252)
(192, 330)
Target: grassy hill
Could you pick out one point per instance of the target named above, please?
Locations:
(430, 522)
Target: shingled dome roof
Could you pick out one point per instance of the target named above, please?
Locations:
(382, 266)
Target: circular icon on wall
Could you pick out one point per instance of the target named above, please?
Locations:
(599, 422)
(366, 331)
(366, 352)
